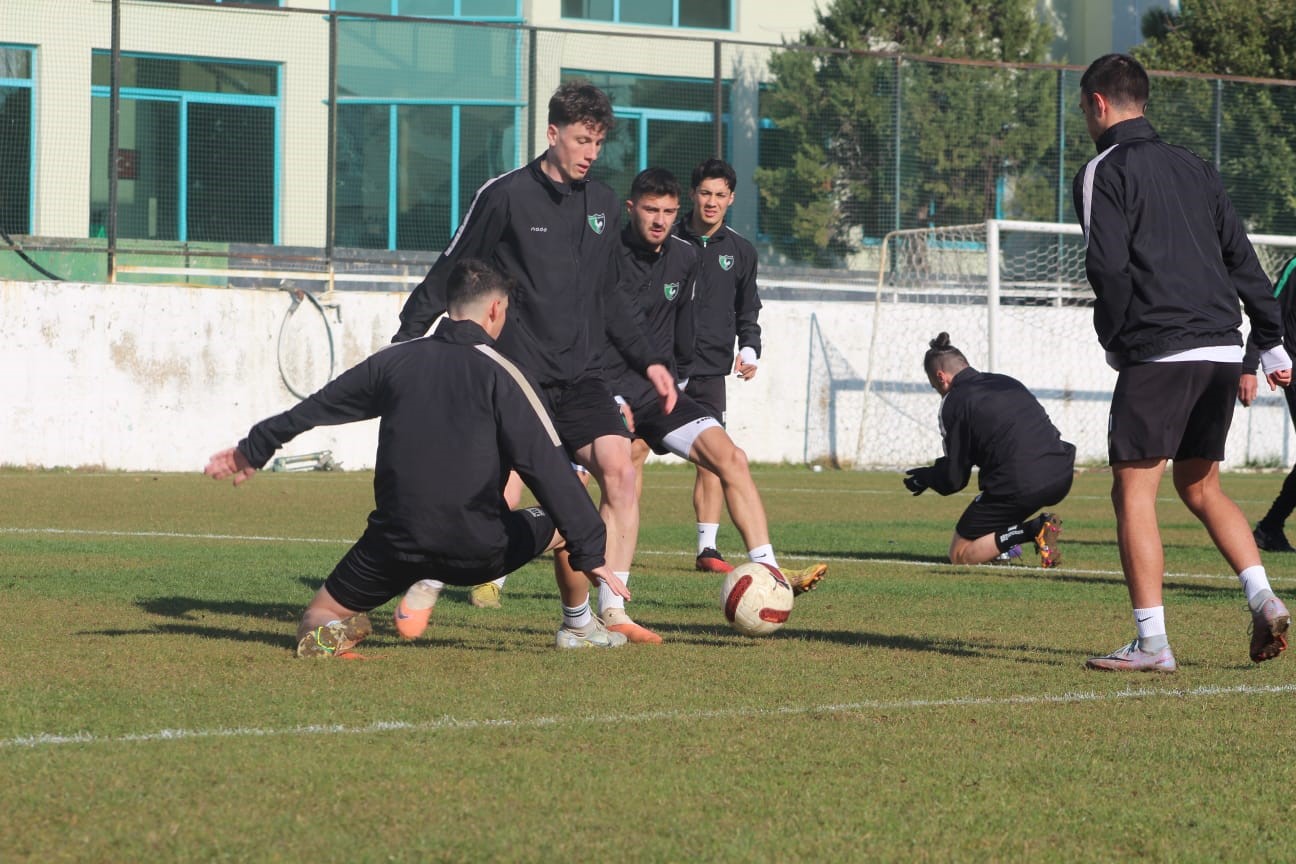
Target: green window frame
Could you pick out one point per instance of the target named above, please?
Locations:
(702, 14)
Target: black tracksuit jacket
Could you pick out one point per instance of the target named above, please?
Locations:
(1166, 255)
(727, 304)
(657, 286)
(994, 422)
(456, 416)
(559, 243)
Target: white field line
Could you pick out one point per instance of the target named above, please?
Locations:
(892, 562)
(619, 720)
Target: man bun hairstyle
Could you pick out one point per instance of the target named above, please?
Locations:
(579, 101)
(654, 181)
(714, 169)
(942, 356)
(472, 280)
(1120, 78)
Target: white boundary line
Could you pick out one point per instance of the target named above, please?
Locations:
(618, 720)
(893, 562)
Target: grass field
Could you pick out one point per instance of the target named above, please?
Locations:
(151, 709)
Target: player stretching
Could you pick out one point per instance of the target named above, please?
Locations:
(726, 306)
(554, 231)
(993, 422)
(658, 271)
(1169, 261)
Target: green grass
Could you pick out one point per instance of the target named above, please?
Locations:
(151, 709)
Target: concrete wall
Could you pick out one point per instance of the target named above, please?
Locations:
(159, 377)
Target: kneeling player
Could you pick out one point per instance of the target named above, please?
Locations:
(456, 416)
(994, 422)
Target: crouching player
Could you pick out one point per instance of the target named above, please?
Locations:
(456, 416)
(994, 422)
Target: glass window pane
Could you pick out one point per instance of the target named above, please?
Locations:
(594, 10)
(488, 148)
(642, 91)
(414, 60)
(372, 7)
(441, 8)
(231, 177)
(705, 13)
(363, 157)
(15, 62)
(203, 76)
(423, 168)
(148, 182)
(618, 164)
(15, 166)
(659, 12)
(490, 8)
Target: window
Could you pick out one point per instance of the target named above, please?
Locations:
(197, 145)
(508, 9)
(710, 14)
(15, 139)
(661, 122)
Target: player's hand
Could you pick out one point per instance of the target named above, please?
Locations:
(229, 463)
(664, 383)
(742, 367)
(1247, 387)
(1281, 378)
(604, 576)
(917, 480)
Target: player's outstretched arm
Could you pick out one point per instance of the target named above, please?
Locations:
(229, 463)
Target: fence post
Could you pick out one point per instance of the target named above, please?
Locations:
(717, 99)
(992, 291)
(330, 194)
(114, 110)
(896, 137)
(1219, 119)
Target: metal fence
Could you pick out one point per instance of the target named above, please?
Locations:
(223, 138)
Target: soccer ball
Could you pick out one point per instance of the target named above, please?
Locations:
(756, 599)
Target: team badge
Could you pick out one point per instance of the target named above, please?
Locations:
(726, 261)
(597, 221)
(671, 290)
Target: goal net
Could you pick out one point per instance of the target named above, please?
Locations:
(1014, 298)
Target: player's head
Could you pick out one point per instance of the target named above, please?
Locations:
(1112, 89)
(711, 192)
(580, 118)
(476, 291)
(653, 205)
(942, 362)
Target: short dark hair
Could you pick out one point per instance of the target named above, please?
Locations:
(713, 169)
(579, 101)
(470, 280)
(1120, 78)
(943, 356)
(654, 181)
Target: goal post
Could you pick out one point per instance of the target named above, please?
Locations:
(1014, 297)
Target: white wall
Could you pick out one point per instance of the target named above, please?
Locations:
(158, 377)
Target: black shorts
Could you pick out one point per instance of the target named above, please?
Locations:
(584, 411)
(368, 576)
(1172, 411)
(709, 392)
(653, 426)
(990, 514)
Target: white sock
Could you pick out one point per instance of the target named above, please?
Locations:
(499, 583)
(1151, 628)
(608, 599)
(707, 532)
(423, 594)
(763, 555)
(1254, 581)
(578, 617)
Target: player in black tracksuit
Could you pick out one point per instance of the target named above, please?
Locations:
(726, 307)
(1268, 533)
(555, 232)
(456, 417)
(993, 422)
(658, 272)
(1169, 260)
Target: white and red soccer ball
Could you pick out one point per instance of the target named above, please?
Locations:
(756, 599)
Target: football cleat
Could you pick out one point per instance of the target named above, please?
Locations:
(617, 621)
(806, 579)
(486, 596)
(1269, 630)
(1131, 659)
(335, 638)
(709, 560)
(415, 608)
(1271, 539)
(592, 635)
(1046, 540)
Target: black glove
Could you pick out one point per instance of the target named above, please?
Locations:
(917, 480)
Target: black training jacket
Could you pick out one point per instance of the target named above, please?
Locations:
(456, 416)
(1166, 255)
(558, 242)
(994, 422)
(727, 304)
(657, 287)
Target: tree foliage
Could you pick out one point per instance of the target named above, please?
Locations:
(870, 143)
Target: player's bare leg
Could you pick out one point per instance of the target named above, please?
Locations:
(708, 505)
